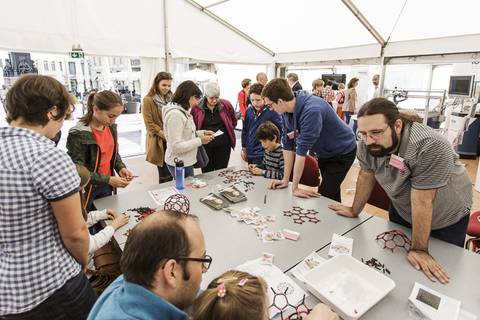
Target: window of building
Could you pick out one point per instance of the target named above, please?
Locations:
(72, 69)
(45, 65)
(60, 65)
(82, 64)
(53, 65)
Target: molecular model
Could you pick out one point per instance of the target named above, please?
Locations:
(301, 215)
(231, 176)
(177, 202)
(142, 212)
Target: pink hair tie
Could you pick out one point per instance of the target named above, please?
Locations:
(221, 290)
(242, 282)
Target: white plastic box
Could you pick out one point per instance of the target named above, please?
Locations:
(348, 286)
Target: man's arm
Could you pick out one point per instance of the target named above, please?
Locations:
(422, 210)
(364, 187)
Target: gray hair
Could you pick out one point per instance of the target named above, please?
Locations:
(212, 90)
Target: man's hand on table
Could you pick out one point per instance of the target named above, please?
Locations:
(422, 260)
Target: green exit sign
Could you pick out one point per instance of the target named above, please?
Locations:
(77, 54)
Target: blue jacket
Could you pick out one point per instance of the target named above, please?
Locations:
(319, 128)
(250, 126)
(128, 301)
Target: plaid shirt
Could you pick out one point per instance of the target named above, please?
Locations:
(328, 94)
(33, 260)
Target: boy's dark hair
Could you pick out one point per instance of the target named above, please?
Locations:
(32, 96)
(255, 88)
(151, 243)
(184, 92)
(268, 131)
(278, 88)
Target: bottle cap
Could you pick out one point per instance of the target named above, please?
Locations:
(178, 162)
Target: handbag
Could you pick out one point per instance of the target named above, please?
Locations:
(202, 158)
(107, 267)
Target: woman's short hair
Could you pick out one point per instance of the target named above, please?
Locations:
(212, 89)
(184, 92)
(32, 96)
(245, 83)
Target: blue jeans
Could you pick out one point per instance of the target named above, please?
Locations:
(188, 171)
(347, 114)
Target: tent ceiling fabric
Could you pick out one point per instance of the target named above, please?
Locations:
(301, 30)
(285, 26)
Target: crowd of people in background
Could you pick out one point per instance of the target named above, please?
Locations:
(47, 250)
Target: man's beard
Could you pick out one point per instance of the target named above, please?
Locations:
(379, 151)
(185, 296)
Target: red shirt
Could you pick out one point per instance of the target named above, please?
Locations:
(104, 140)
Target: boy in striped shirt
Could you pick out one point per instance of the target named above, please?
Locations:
(272, 167)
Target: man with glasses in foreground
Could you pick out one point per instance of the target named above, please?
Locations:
(162, 266)
(429, 189)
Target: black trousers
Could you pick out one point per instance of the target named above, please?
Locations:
(333, 172)
(454, 234)
(73, 301)
(218, 157)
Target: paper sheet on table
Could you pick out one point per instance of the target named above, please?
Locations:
(218, 133)
(312, 261)
(160, 195)
(275, 279)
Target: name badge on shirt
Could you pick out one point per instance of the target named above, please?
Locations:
(397, 162)
(293, 134)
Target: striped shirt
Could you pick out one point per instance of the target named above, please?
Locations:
(430, 163)
(273, 163)
(33, 260)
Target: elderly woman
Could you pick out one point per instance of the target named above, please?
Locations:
(217, 115)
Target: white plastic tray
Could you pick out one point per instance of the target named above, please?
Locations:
(348, 286)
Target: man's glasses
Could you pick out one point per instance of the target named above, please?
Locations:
(374, 134)
(206, 261)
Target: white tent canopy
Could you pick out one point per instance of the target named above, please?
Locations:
(243, 31)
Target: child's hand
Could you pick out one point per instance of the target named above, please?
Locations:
(119, 221)
(111, 214)
(257, 171)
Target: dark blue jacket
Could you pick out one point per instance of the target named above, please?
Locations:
(319, 128)
(250, 126)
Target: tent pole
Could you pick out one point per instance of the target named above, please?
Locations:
(231, 27)
(165, 37)
(382, 73)
(359, 15)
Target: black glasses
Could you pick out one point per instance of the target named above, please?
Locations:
(206, 262)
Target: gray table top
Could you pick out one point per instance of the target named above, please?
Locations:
(461, 265)
(231, 243)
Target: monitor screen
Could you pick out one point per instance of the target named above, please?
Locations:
(336, 79)
(461, 86)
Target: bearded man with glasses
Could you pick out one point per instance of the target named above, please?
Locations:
(429, 188)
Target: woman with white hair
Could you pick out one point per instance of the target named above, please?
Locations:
(215, 114)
